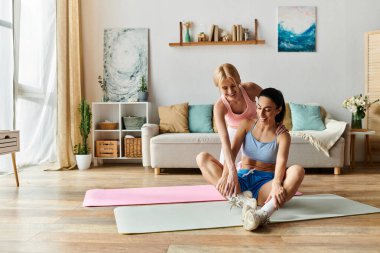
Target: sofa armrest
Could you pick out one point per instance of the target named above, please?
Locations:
(147, 132)
(347, 145)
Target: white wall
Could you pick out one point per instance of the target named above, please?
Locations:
(180, 74)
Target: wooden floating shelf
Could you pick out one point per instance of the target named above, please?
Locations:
(214, 43)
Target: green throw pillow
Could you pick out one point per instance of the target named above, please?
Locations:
(306, 117)
(200, 118)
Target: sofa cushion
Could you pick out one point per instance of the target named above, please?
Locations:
(185, 138)
(174, 118)
(306, 117)
(200, 119)
(288, 117)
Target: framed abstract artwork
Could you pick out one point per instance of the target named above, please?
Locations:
(296, 29)
(125, 63)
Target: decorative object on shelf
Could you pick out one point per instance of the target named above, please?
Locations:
(187, 25)
(108, 125)
(358, 105)
(216, 38)
(225, 36)
(125, 62)
(296, 28)
(246, 34)
(143, 91)
(133, 122)
(81, 150)
(202, 37)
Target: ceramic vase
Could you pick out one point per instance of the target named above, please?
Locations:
(187, 35)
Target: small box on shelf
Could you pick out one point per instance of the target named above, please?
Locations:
(107, 148)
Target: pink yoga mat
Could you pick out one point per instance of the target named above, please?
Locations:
(151, 195)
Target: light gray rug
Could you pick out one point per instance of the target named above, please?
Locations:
(188, 216)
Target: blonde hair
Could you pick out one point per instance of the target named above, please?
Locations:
(226, 71)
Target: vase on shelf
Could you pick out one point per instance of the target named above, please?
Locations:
(187, 35)
(356, 121)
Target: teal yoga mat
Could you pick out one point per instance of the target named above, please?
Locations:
(188, 216)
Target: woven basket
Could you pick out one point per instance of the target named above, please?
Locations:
(132, 147)
(108, 125)
(133, 122)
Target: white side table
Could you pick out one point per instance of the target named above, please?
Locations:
(10, 144)
(367, 145)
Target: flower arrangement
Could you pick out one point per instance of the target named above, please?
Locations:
(358, 104)
(187, 24)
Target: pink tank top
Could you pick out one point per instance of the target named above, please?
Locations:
(232, 119)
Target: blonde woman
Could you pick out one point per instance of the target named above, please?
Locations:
(236, 103)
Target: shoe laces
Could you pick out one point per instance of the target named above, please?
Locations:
(235, 202)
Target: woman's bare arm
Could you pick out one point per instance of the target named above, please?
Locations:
(278, 192)
(219, 113)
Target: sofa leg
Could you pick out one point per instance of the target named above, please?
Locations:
(157, 171)
(337, 171)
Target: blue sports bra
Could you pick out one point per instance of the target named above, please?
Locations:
(265, 152)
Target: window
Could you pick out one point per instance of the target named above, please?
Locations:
(36, 80)
(29, 78)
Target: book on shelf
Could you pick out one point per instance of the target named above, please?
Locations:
(216, 33)
(240, 33)
(233, 33)
(211, 35)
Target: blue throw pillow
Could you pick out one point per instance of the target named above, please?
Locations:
(200, 118)
(306, 117)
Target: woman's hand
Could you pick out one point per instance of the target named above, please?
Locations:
(281, 129)
(232, 183)
(278, 194)
(221, 185)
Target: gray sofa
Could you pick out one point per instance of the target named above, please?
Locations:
(179, 150)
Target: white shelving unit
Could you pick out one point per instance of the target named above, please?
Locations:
(115, 111)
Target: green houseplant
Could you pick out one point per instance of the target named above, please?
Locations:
(143, 90)
(81, 150)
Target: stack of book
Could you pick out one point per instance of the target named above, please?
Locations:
(214, 33)
(237, 33)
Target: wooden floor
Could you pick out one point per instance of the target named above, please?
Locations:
(45, 215)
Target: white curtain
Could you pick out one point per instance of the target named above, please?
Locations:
(6, 74)
(35, 80)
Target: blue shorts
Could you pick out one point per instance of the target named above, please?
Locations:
(254, 180)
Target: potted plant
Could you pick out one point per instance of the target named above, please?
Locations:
(81, 150)
(143, 91)
(103, 84)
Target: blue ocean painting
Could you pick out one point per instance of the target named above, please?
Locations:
(296, 29)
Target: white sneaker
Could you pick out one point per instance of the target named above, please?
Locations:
(243, 199)
(252, 219)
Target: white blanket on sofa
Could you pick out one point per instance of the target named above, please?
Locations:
(324, 140)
